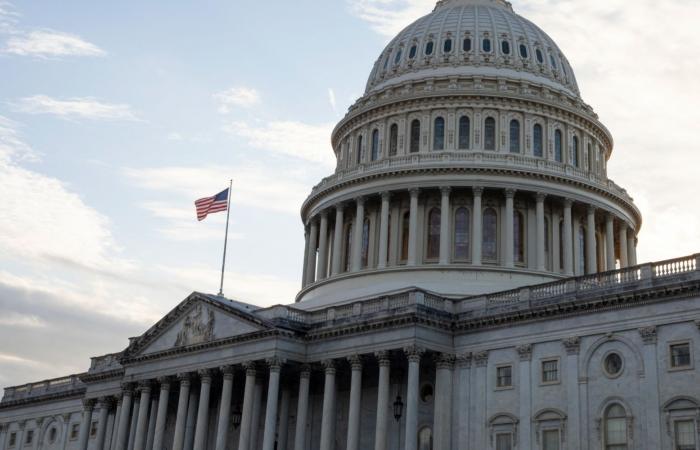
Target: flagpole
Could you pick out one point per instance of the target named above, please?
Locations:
(223, 262)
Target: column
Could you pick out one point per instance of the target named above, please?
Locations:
(479, 419)
(650, 386)
(442, 426)
(88, 405)
(304, 273)
(122, 436)
(356, 262)
(247, 413)
(19, 443)
(202, 429)
(380, 438)
(283, 431)
(115, 425)
(66, 430)
(591, 259)
(510, 195)
(525, 395)
(464, 363)
(609, 242)
(151, 423)
(413, 228)
(311, 260)
(337, 240)
(323, 248)
(631, 248)
(624, 262)
(181, 417)
(302, 408)
(142, 423)
(224, 409)
(257, 406)
(445, 215)
(328, 415)
(104, 405)
(273, 389)
(476, 226)
(191, 420)
(354, 409)
(539, 212)
(384, 231)
(572, 346)
(3, 435)
(412, 396)
(568, 239)
(161, 414)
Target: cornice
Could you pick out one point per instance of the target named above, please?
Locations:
(73, 393)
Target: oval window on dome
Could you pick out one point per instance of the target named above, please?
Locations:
(523, 51)
(486, 45)
(505, 47)
(467, 44)
(412, 52)
(447, 46)
(540, 57)
(429, 48)
(397, 58)
(553, 61)
(386, 61)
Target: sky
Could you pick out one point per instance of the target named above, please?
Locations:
(116, 116)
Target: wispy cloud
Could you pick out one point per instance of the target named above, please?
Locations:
(14, 319)
(242, 97)
(331, 99)
(50, 44)
(180, 223)
(388, 17)
(75, 108)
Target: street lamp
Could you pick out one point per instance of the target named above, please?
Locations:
(398, 412)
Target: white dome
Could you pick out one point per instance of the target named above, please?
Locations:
(473, 38)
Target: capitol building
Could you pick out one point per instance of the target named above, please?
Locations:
(470, 282)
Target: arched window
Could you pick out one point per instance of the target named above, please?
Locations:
(514, 136)
(486, 45)
(447, 46)
(615, 428)
(397, 59)
(538, 141)
(412, 52)
(553, 61)
(490, 134)
(489, 247)
(461, 237)
(393, 140)
(505, 47)
(464, 131)
(433, 233)
(538, 54)
(386, 60)
(429, 48)
(348, 247)
(523, 51)
(518, 237)
(425, 439)
(415, 136)
(558, 155)
(574, 152)
(467, 45)
(365, 243)
(405, 226)
(439, 134)
(375, 145)
(359, 150)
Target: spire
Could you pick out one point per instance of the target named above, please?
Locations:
(498, 3)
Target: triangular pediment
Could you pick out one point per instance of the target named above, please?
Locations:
(199, 319)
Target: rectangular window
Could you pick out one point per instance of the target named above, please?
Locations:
(684, 431)
(550, 371)
(13, 439)
(30, 437)
(504, 376)
(680, 355)
(550, 440)
(74, 431)
(504, 441)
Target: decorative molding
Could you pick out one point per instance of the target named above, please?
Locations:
(383, 358)
(481, 359)
(414, 353)
(275, 363)
(89, 404)
(648, 334)
(329, 366)
(228, 371)
(464, 360)
(477, 191)
(144, 386)
(204, 375)
(305, 371)
(572, 345)
(444, 361)
(355, 362)
(250, 368)
(525, 352)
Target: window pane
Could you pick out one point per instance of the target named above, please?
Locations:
(538, 140)
(439, 138)
(393, 139)
(397, 59)
(365, 243)
(375, 145)
(358, 155)
(558, 146)
(415, 136)
(447, 46)
(429, 48)
(489, 247)
(514, 136)
(574, 153)
(680, 355)
(412, 52)
(685, 435)
(540, 59)
(616, 432)
(434, 233)
(504, 376)
(348, 247)
(518, 238)
(487, 45)
(405, 224)
(504, 441)
(464, 133)
(505, 47)
(490, 133)
(523, 51)
(462, 234)
(550, 371)
(550, 440)
(467, 45)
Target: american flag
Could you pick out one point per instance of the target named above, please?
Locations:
(209, 205)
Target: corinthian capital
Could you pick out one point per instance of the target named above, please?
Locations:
(414, 353)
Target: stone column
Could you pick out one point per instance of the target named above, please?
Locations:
(191, 421)
(591, 257)
(477, 224)
(539, 212)
(380, 437)
(151, 423)
(134, 423)
(478, 422)
(104, 405)
(304, 274)
(88, 405)
(142, 423)
(442, 426)
(337, 240)
(354, 412)
(224, 409)
(283, 431)
(650, 386)
(609, 242)
(464, 363)
(624, 262)
(19, 443)
(356, 262)
(273, 388)
(412, 396)
(413, 228)
(572, 345)
(322, 269)
(631, 248)
(568, 239)
(311, 260)
(161, 414)
(181, 417)
(125, 413)
(257, 406)
(3, 436)
(302, 408)
(509, 250)
(445, 215)
(202, 428)
(328, 414)
(247, 414)
(384, 231)
(525, 395)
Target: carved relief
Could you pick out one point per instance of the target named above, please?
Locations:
(197, 328)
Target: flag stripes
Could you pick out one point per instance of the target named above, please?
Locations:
(210, 205)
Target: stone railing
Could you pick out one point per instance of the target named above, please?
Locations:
(42, 388)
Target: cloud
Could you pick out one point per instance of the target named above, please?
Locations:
(181, 224)
(331, 99)
(388, 17)
(50, 44)
(236, 96)
(75, 108)
(13, 319)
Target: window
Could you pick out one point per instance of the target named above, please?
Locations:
(434, 233)
(412, 52)
(375, 145)
(53, 432)
(538, 54)
(547, 252)
(425, 439)
(490, 134)
(615, 428)
(486, 45)
(467, 45)
(561, 244)
(504, 377)
(439, 137)
(393, 140)
(93, 429)
(523, 51)
(575, 152)
(518, 237)
(74, 431)
(464, 130)
(680, 356)
(504, 441)
(359, 150)
(429, 48)
(537, 141)
(426, 393)
(553, 61)
(550, 371)
(415, 136)
(612, 365)
(405, 225)
(365, 243)
(582, 249)
(348, 247)
(461, 238)
(550, 440)
(397, 58)
(386, 60)
(514, 136)
(505, 47)
(13, 439)
(29, 437)
(684, 435)
(447, 46)
(489, 248)
(558, 155)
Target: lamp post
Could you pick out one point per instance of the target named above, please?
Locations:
(398, 412)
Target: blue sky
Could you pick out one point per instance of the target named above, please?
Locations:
(115, 117)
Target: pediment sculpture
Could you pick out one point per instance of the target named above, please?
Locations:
(198, 327)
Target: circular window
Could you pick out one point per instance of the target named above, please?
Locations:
(426, 393)
(613, 365)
